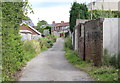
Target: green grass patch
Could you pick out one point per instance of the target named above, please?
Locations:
(99, 73)
(103, 73)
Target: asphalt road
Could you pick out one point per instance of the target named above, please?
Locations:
(51, 65)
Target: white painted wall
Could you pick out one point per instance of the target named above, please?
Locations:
(56, 33)
(25, 36)
(36, 36)
(106, 5)
(110, 35)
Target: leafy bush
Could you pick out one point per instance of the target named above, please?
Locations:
(31, 48)
(68, 43)
(47, 42)
(12, 47)
(114, 61)
(106, 58)
(12, 53)
(110, 60)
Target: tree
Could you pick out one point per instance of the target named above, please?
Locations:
(40, 23)
(78, 11)
(39, 27)
(43, 28)
(49, 27)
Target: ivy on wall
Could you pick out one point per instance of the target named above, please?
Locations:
(12, 46)
(105, 14)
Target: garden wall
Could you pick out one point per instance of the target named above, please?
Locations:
(111, 27)
(89, 40)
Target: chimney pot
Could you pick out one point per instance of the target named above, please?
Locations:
(53, 22)
(62, 22)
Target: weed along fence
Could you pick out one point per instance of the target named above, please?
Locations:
(88, 40)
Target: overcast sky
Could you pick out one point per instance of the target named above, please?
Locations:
(52, 10)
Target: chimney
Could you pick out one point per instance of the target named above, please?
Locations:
(53, 22)
(62, 22)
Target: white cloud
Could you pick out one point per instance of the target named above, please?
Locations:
(57, 13)
(51, 14)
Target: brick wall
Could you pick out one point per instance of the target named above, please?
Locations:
(94, 41)
(90, 40)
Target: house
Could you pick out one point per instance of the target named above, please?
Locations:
(28, 32)
(60, 29)
(113, 5)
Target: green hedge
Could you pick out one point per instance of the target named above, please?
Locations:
(12, 52)
(105, 14)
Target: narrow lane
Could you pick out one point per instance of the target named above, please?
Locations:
(51, 65)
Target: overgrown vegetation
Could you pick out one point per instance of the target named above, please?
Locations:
(12, 47)
(105, 14)
(103, 73)
(15, 53)
(40, 26)
(78, 11)
(47, 42)
(110, 60)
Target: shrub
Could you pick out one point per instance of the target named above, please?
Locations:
(47, 42)
(12, 47)
(113, 61)
(106, 58)
(110, 60)
(12, 55)
(31, 48)
(68, 43)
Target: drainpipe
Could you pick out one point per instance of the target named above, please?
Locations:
(91, 8)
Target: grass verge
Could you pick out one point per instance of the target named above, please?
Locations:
(103, 73)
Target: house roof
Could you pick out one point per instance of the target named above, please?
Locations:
(60, 24)
(29, 22)
(31, 28)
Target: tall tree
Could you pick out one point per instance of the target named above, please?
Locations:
(78, 11)
(40, 23)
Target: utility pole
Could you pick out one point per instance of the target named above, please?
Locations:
(103, 5)
(91, 9)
